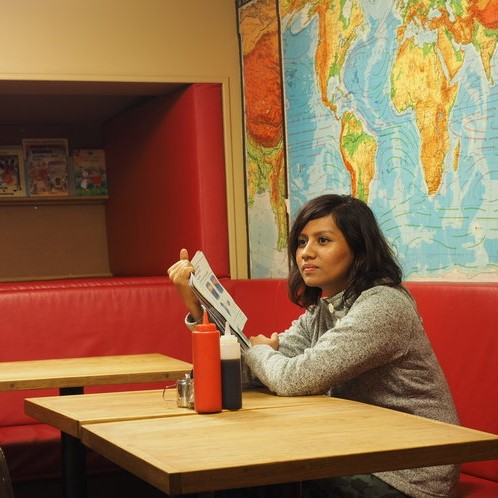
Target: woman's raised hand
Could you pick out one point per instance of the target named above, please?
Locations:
(179, 274)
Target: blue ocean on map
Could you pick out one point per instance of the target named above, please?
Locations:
(452, 234)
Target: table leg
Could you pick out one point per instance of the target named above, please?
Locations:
(73, 459)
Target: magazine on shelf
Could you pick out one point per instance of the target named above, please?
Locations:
(89, 172)
(47, 166)
(12, 172)
(215, 298)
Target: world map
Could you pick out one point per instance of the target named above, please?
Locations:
(394, 102)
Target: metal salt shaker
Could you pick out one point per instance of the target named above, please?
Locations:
(185, 392)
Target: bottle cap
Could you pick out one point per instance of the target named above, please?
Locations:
(228, 337)
(206, 325)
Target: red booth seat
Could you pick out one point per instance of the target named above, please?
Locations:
(78, 318)
(91, 317)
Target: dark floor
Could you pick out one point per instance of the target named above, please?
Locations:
(113, 485)
(121, 484)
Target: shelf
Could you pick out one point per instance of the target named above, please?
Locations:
(50, 200)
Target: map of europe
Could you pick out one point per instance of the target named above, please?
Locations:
(393, 102)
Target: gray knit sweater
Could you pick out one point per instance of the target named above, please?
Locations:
(375, 351)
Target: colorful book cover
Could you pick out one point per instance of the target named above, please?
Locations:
(89, 172)
(12, 172)
(47, 166)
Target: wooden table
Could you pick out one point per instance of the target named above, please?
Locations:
(70, 413)
(271, 440)
(91, 371)
(71, 375)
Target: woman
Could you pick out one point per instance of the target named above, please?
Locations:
(361, 337)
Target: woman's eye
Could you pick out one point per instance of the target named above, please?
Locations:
(301, 242)
(323, 240)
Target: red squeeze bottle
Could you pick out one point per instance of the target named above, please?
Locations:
(207, 367)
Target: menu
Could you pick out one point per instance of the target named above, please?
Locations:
(220, 305)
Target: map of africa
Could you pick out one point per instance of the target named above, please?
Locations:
(395, 102)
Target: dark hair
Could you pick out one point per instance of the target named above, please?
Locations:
(374, 262)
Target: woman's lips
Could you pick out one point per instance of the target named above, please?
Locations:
(309, 268)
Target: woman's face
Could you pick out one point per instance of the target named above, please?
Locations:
(323, 256)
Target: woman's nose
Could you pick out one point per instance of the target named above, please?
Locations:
(307, 251)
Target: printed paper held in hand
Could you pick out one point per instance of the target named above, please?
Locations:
(216, 299)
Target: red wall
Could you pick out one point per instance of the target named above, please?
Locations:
(167, 187)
